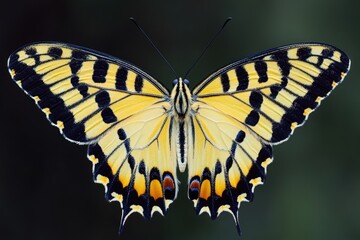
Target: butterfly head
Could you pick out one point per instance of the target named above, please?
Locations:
(176, 81)
(181, 97)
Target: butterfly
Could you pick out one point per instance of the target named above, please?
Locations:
(138, 133)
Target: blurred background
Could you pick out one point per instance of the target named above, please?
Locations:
(313, 186)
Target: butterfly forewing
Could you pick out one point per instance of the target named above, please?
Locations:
(244, 108)
(274, 92)
(116, 108)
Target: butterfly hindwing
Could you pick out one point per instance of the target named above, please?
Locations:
(134, 164)
(241, 110)
(227, 163)
(116, 109)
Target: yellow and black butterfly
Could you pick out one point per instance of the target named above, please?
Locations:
(138, 133)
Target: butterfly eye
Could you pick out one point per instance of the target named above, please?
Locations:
(186, 82)
(175, 82)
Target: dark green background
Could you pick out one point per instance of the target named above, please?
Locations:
(313, 187)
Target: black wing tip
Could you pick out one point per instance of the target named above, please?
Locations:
(124, 216)
(121, 229)
(13, 58)
(238, 228)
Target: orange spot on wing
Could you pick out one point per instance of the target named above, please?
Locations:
(140, 185)
(205, 190)
(168, 183)
(156, 189)
(195, 185)
(220, 185)
(124, 179)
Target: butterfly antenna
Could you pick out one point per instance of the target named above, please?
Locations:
(208, 45)
(152, 43)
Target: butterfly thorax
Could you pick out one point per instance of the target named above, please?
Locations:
(181, 99)
(181, 104)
